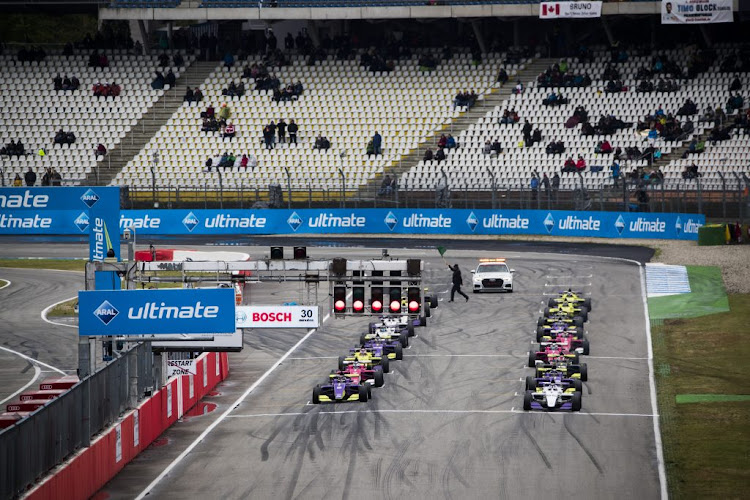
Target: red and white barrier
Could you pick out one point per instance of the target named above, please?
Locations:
(90, 469)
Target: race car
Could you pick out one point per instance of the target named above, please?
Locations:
(492, 275)
(366, 357)
(570, 297)
(360, 374)
(556, 329)
(560, 318)
(570, 343)
(552, 397)
(553, 377)
(386, 333)
(579, 371)
(570, 310)
(397, 322)
(340, 389)
(391, 349)
(551, 353)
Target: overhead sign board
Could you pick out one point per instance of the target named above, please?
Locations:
(219, 342)
(139, 312)
(277, 317)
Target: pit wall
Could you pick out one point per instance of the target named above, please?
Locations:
(91, 468)
(616, 225)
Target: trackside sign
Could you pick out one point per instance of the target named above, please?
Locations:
(277, 317)
(139, 312)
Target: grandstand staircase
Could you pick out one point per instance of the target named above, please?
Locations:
(149, 125)
(495, 97)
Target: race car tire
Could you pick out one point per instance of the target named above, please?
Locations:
(433, 301)
(587, 303)
(532, 359)
(540, 333)
(378, 378)
(316, 395)
(577, 397)
(578, 321)
(579, 332)
(404, 339)
(552, 302)
(530, 383)
(399, 351)
(584, 372)
(540, 321)
(422, 321)
(576, 358)
(410, 329)
(584, 314)
(585, 345)
(386, 366)
(342, 365)
(362, 391)
(577, 385)
(475, 291)
(369, 391)
(527, 400)
(427, 312)
(362, 339)
(547, 312)
(371, 328)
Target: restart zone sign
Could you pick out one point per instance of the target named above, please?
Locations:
(140, 312)
(409, 221)
(277, 317)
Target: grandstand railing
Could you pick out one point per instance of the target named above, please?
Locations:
(731, 200)
(51, 434)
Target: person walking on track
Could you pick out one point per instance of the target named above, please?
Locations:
(457, 282)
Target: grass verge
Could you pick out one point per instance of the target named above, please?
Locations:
(705, 443)
(707, 296)
(58, 264)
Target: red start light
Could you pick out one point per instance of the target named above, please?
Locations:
(358, 305)
(377, 305)
(395, 305)
(413, 306)
(339, 305)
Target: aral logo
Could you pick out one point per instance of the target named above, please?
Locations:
(190, 221)
(391, 221)
(90, 198)
(106, 312)
(549, 222)
(294, 221)
(82, 222)
(472, 221)
(678, 226)
(620, 225)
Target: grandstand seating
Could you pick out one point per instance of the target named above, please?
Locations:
(34, 110)
(468, 168)
(351, 3)
(341, 100)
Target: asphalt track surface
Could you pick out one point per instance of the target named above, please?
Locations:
(447, 423)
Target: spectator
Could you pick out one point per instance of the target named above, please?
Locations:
(229, 131)
(735, 101)
(580, 164)
(691, 172)
(47, 177)
(100, 150)
(502, 76)
(158, 82)
(224, 114)
(603, 147)
(615, 168)
(228, 60)
(377, 142)
(427, 155)
(56, 178)
(243, 162)
(736, 84)
(58, 82)
(688, 108)
(518, 89)
(17, 181)
(440, 155)
(487, 147)
(322, 142)
(30, 177)
(170, 78)
(555, 185)
(387, 185)
(569, 165)
(527, 128)
(198, 95)
(554, 148)
(177, 59)
(292, 129)
(534, 184)
(163, 60)
(209, 113)
(645, 87)
(545, 185)
(536, 137)
(189, 95)
(281, 128)
(209, 164)
(268, 134)
(62, 137)
(442, 141)
(450, 142)
(497, 147)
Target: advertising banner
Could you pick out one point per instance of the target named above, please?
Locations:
(139, 312)
(277, 316)
(696, 11)
(569, 10)
(413, 221)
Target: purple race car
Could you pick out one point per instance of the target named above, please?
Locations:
(552, 397)
(340, 389)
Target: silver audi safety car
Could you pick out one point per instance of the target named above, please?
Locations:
(492, 275)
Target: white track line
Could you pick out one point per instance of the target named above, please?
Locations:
(652, 388)
(224, 415)
(462, 412)
(37, 371)
(429, 356)
(47, 310)
(6, 285)
(32, 360)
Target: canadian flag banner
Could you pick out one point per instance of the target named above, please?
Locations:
(569, 10)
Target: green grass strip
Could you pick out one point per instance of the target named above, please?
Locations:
(707, 296)
(710, 398)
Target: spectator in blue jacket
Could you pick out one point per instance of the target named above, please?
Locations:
(377, 142)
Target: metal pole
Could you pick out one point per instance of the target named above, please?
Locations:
(700, 195)
(289, 186)
(739, 195)
(494, 191)
(343, 188)
(221, 189)
(723, 195)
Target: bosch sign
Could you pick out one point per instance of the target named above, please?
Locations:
(277, 317)
(139, 312)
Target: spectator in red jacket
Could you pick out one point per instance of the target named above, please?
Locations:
(580, 164)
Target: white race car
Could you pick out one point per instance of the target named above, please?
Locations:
(492, 275)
